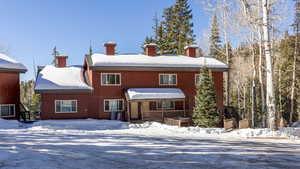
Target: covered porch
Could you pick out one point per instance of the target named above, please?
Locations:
(154, 104)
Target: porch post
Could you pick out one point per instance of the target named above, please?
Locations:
(184, 113)
(128, 111)
(163, 115)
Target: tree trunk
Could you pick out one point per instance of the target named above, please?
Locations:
(260, 72)
(269, 68)
(294, 77)
(227, 54)
(253, 92)
(280, 93)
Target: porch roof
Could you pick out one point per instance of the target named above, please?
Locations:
(154, 93)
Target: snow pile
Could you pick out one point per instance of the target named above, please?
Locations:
(155, 93)
(53, 78)
(154, 127)
(8, 124)
(87, 125)
(7, 62)
(155, 61)
(296, 124)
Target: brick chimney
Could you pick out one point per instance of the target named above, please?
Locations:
(61, 61)
(150, 49)
(191, 50)
(110, 48)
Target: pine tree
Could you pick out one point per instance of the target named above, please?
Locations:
(175, 31)
(215, 40)
(168, 26)
(205, 112)
(183, 32)
(148, 40)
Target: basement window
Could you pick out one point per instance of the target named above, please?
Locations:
(7, 110)
(65, 106)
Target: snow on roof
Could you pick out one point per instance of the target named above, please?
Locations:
(8, 63)
(66, 78)
(191, 46)
(154, 93)
(139, 60)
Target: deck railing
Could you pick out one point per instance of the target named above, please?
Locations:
(159, 115)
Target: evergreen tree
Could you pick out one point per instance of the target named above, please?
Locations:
(168, 27)
(175, 31)
(148, 40)
(215, 40)
(205, 112)
(183, 32)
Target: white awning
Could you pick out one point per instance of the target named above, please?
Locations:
(154, 93)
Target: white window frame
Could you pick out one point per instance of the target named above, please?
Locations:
(113, 100)
(198, 74)
(66, 100)
(14, 115)
(102, 74)
(168, 75)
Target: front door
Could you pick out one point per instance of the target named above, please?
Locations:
(134, 107)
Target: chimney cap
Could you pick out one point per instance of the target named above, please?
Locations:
(150, 44)
(110, 43)
(191, 46)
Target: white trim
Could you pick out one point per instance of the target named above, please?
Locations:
(110, 100)
(14, 115)
(102, 84)
(76, 111)
(198, 74)
(168, 75)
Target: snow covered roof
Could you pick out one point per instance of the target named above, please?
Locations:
(66, 79)
(8, 64)
(165, 61)
(154, 93)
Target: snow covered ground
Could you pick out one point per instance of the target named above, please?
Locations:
(93, 144)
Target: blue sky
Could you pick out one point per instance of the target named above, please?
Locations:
(31, 28)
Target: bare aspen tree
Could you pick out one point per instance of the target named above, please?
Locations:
(260, 67)
(296, 29)
(271, 108)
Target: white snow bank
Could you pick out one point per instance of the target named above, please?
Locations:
(155, 61)
(8, 124)
(296, 124)
(7, 62)
(154, 127)
(87, 124)
(145, 129)
(155, 93)
(53, 78)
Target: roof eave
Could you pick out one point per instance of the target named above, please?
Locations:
(140, 68)
(63, 91)
(9, 70)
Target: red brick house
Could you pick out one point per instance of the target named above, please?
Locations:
(137, 86)
(10, 71)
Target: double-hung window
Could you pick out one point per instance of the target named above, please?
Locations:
(111, 79)
(7, 110)
(167, 79)
(197, 79)
(111, 105)
(65, 106)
